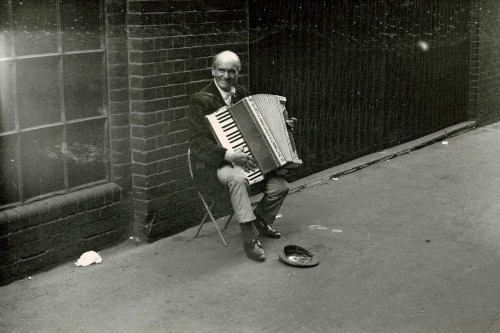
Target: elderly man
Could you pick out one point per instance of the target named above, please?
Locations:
(215, 165)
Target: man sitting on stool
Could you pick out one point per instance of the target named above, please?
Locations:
(214, 164)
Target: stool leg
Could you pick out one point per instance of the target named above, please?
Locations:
(212, 218)
(203, 220)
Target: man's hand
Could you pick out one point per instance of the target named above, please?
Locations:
(291, 123)
(238, 157)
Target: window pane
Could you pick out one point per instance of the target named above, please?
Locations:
(38, 96)
(80, 25)
(35, 26)
(42, 161)
(9, 186)
(83, 85)
(7, 118)
(85, 152)
(5, 32)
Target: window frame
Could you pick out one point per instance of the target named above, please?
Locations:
(17, 132)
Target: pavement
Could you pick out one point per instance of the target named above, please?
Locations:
(408, 241)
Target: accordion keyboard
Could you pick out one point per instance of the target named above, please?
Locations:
(229, 137)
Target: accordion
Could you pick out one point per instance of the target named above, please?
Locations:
(257, 125)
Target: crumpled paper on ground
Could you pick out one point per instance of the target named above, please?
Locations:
(89, 258)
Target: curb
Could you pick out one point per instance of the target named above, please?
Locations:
(384, 155)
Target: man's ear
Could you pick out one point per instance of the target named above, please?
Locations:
(213, 72)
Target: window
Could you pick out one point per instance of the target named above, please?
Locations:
(53, 108)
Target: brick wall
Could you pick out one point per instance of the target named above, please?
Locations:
(39, 235)
(42, 234)
(485, 62)
(171, 44)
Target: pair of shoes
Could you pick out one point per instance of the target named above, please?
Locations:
(266, 230)
(253, 250)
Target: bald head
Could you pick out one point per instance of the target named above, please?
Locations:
(225, 69)
(227, 57)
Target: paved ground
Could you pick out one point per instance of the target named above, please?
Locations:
(410, 244)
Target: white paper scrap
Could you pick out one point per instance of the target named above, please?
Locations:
(89, 258)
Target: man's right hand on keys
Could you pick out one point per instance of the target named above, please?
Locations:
(238, 157)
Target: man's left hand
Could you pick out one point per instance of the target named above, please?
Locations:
(291, 123)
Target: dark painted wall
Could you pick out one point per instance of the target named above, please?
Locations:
(362, 75)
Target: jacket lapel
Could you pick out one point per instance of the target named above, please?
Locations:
(212, 88)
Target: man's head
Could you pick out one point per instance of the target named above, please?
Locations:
(225, 69)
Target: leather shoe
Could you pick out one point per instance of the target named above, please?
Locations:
(266, 230)
(253, 250)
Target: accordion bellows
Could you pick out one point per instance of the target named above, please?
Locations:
(257, 125)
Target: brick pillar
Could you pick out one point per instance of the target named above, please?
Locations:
(485, 62)
(118, 97)
(171, 44)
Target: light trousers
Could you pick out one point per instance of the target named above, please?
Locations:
(275, 189)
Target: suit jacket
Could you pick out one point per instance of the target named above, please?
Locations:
(208, 156)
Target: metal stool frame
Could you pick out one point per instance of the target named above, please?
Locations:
(208, 207)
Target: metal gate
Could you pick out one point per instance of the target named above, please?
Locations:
(361, 75)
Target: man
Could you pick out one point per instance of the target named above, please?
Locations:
(215, 165)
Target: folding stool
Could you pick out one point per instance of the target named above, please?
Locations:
(208, 207)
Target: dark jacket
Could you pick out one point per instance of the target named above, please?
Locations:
(207, 155)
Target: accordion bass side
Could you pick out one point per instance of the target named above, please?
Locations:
(257, 124)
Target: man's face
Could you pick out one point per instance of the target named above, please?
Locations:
(226, 73)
